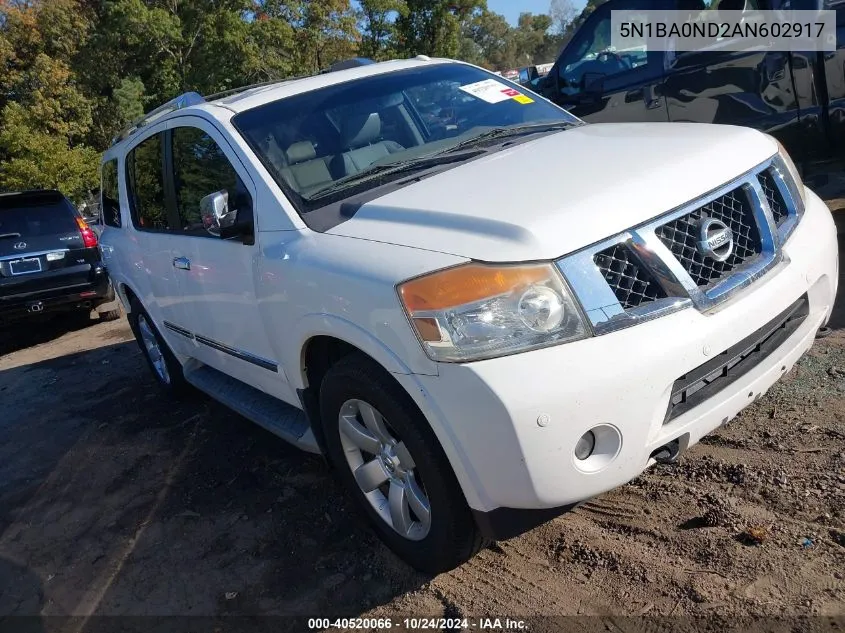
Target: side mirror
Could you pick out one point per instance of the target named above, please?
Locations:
(218, 219)
(543, 85)
(593, 83)
(214, 210)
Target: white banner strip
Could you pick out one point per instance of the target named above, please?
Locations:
(713, 30)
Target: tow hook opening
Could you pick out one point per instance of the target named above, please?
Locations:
(668, 453)
(35, 307)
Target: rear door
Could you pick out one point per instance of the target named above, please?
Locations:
(41, 246)
(155, 238)
(601, 85)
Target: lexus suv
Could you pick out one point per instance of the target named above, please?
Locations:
(344, 260)
(49, 260)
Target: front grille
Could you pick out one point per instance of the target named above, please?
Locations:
(706, 381)
(773, 196)
(657, 268)
(627, 277)
(681, 236)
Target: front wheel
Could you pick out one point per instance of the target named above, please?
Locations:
(390, 461)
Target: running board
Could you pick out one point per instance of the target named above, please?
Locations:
(281, 419)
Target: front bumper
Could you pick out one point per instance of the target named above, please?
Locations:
(509, 425)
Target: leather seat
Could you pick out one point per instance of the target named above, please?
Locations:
(361, 135)
(304, 171)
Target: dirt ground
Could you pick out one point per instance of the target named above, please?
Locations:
(117, 501)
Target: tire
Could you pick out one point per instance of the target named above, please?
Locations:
(164, 366)
(415, 463)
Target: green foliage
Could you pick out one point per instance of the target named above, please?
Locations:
(377, 22)
(37, 159)
(74, 72)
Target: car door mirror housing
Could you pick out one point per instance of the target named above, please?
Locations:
(593, 83)
(220, 220)
(214, 209)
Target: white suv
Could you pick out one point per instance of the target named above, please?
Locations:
(354, 261)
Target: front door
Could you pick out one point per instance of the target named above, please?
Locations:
(217, 276)
(600, 84)
(754, 89)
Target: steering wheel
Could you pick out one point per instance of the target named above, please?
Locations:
(605, 57)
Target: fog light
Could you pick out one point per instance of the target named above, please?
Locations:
(585, 446)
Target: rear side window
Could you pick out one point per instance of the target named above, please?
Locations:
(201, 168)
(36, 215)
(145, 181)
(110, 195)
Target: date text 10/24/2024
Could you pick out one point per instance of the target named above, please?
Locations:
(419, 624)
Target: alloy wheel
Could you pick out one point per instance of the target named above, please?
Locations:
(384, 470)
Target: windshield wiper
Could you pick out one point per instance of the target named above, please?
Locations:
(451, 154)
(388, 169)
(3, 235)
(510, 131)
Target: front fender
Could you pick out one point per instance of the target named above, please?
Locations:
(313, 325)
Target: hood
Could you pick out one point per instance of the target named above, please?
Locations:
(547, 198)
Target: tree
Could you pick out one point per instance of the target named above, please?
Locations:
(36, 159)
(433, 27)
(74, 72)
(493, 38)
(530, 36)
(562, 13)
(322, 32)
(44, 115)
(377, 22)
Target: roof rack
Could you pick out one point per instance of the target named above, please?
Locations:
(182, 101)
(345, 64)
(355, 62)
(261, 84)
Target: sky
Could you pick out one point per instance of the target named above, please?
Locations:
(512, 8)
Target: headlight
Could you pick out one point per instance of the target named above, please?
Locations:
(797, 185)
(477, 311)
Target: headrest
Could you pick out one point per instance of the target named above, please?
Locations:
(300, 152)
(361, 129)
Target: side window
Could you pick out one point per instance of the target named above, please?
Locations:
(202, 174)
(592, 59)
(110, 194)
(145, 182)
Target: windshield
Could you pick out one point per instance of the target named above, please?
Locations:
(325, 145)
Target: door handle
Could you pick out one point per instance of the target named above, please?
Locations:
(182, 263)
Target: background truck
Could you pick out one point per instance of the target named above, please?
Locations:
(797, 97)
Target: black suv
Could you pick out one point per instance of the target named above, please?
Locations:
(49, 260)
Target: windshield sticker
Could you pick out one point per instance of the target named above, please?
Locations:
(493, 91)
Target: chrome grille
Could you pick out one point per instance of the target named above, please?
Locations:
(627, 277)
(660, 267)
(773, 196)
(681, 236)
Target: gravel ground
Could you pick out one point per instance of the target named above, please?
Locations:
(117, 501)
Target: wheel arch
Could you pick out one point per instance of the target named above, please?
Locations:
(126, 294)
(324, 341)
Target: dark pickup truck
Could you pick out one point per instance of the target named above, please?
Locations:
(797, 97)
(49, 259)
